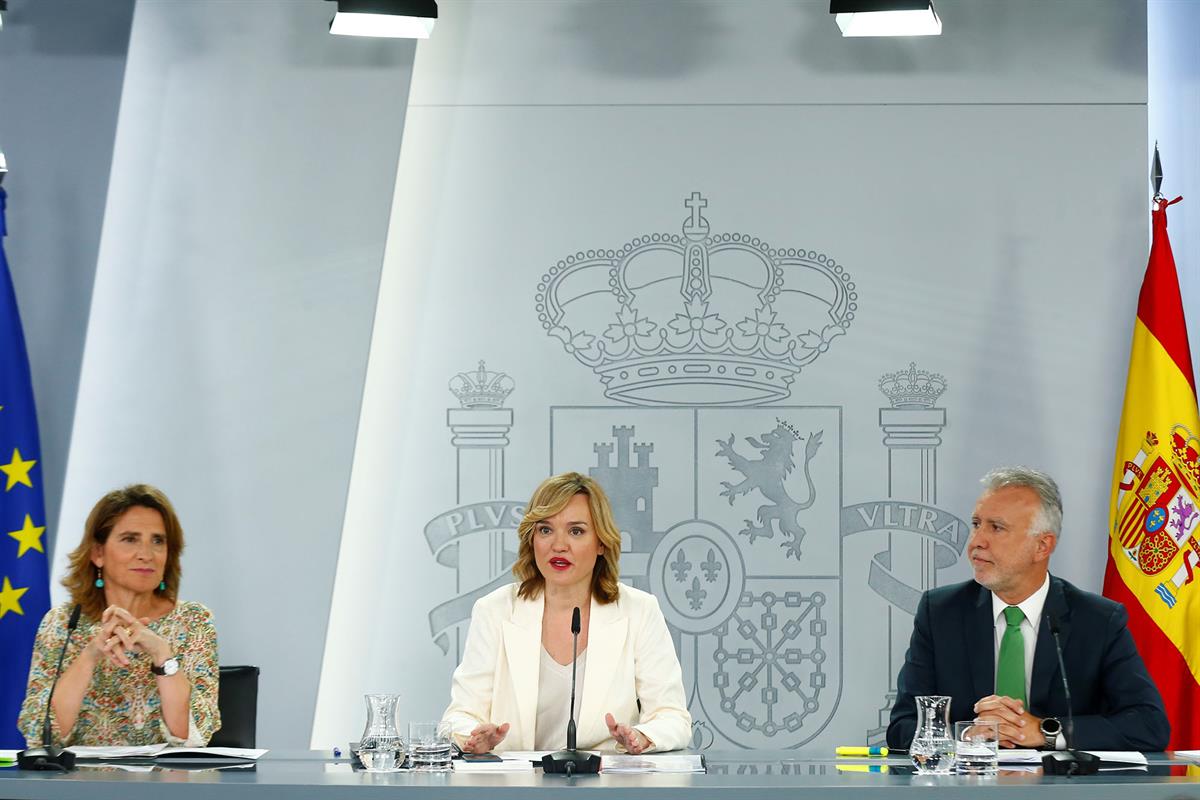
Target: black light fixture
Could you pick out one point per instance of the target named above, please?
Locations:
(3, 8)
(886, 17)
(395, 19)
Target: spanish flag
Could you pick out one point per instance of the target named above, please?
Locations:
(1154, 513)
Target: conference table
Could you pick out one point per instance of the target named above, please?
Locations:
(747, 775)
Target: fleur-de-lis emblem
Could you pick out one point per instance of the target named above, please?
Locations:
(711, 566)
(696, 595)
(681, 566)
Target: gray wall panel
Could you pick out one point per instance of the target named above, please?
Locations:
(253, 171)
(61, 68)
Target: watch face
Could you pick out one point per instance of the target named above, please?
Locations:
(170, 666)
(1051, 727)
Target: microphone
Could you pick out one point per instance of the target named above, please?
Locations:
(1070, 761)
(50, 756)
(570, 761)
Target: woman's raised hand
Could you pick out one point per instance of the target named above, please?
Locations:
(485, 738)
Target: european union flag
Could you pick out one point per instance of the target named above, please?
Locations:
(24, 567)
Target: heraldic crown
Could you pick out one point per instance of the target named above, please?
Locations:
(912, 388)
(481, 388)
(666, 314)
(1185, 456)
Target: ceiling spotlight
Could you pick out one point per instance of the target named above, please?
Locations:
(394, 19)
(886, 17)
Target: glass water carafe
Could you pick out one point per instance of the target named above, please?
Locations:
(381, 748)
(932, 748)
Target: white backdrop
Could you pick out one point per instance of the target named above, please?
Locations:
(983, 198)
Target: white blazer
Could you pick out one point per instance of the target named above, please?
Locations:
(630, 656)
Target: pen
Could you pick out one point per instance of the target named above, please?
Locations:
(861, 751)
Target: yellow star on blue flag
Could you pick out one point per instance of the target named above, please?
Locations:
(29, 537)
(24, 568)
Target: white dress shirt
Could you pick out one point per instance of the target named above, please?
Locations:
(1032, 607)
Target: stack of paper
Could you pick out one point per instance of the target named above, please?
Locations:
(505, 764)
(164, 752)
(652, 763)
(1130, 758)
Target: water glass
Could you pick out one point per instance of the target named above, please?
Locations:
(977, 747)
(429, 746)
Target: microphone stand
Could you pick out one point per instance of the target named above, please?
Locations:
(1070, 761)
(50, 756)
(571, 761)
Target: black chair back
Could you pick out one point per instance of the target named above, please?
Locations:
(237, 698)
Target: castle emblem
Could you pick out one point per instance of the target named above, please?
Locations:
(666, 314)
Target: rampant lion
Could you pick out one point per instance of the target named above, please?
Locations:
(766, 474)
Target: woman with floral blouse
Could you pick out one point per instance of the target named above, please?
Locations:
(141, 667)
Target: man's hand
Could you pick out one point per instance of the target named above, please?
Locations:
(1018, 728)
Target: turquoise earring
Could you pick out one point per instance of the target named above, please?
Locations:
(99, 579)
(162, 586)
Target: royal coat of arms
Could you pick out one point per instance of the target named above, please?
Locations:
(1156, 510)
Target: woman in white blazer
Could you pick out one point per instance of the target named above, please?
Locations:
(511, 690)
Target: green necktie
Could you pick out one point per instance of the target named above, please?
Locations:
(1010, 667)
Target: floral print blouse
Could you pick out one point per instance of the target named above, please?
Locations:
(122, 706)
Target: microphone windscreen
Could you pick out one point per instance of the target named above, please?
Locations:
(1053, 620)
(575, 626)
(74, 620)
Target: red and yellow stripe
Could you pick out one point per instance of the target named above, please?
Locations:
(1160, 393)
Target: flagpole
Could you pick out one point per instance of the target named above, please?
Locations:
(1156, 177)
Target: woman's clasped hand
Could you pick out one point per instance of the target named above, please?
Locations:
(120, 633)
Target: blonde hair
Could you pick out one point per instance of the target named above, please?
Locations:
(550, 498)
(80, 579)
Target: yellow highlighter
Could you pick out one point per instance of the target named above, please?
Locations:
(862, 767)
(861, 752)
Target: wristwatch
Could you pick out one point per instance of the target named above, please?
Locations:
(168, 667)
(1051, 728)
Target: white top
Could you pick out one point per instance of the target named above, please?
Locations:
(631, 658)
(554, 701)
(1032, 606)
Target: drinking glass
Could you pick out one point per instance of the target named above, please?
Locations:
(932, 748)
(976, 747)
(429, 746)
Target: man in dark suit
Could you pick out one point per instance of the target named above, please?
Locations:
(987, 643)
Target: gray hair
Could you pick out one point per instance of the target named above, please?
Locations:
(1050, 513)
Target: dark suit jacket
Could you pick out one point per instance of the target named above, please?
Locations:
(953, 652)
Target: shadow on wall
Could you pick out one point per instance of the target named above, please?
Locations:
(59, 29)
(635, 38)
(1098, 30)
